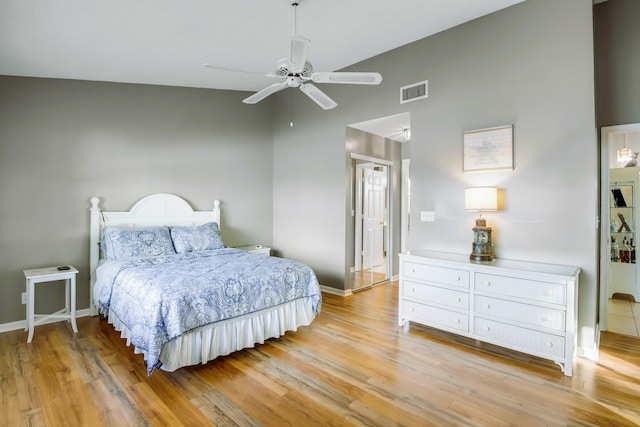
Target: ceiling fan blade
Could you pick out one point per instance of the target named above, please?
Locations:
(298, 53)
(236, 70)
(318, 96)
(231, 70)
(354, 78)
(260, 95)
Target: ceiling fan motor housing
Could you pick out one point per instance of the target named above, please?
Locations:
(282, 69)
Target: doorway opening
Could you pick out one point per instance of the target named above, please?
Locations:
(620, 219)
(377, 163)
(371, 226)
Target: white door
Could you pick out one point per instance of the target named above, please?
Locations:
(373, 215)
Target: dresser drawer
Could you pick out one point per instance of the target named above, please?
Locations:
(434, 316)
(536, 316)
(521, 339)
(436, 295)
(521, 288)
(446, 276)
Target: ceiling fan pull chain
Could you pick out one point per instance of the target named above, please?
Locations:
(291, 122)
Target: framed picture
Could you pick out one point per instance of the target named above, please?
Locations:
(488, 149)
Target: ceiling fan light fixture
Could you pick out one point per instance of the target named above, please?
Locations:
(624, 154)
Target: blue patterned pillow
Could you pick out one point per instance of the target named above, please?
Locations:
(124, 242)
(197, 238)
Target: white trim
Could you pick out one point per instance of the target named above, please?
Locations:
(605, 249)
(405, 205)
(372, 159)
(389, 218)
(357, 247)
(336, 291)
(591, 354)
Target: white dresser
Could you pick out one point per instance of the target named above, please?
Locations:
(524, 306)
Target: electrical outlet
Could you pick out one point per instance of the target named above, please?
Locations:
(427, 216)
(24, 297)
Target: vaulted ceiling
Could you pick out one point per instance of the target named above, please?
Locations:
(165, 42)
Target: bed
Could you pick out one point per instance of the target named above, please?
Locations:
(162, 276)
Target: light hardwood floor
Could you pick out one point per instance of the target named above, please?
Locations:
(352, 366)
(624, 317)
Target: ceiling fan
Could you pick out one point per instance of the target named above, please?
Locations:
(296, 71)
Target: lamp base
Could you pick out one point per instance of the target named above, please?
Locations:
(482, 251)
(481, 257)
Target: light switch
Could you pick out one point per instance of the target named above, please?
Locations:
(427, 216)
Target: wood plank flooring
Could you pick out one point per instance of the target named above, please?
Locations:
(352, 367)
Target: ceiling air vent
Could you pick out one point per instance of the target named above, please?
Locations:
(414, 92)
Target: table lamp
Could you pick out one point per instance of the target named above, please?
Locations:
(481, 199)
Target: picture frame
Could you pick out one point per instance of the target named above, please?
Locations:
(488, 149)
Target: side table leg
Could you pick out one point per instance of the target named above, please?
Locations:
(73, 303)
(66, 298)
(30, 309)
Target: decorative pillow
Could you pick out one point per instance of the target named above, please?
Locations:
(197, 238)
(124, 242)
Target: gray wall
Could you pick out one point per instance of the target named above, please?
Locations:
(62, 142)
(530, 65)
(617, 43)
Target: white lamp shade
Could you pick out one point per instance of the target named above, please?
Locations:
(481, 199)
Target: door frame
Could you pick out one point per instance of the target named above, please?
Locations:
(362, 212)
(605, 245)
(388, 233)
(405, 206)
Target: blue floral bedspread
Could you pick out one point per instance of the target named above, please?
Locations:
(160, 298)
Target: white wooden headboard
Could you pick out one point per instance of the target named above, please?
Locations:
(156, 209)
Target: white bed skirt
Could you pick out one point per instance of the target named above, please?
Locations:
(219, 339)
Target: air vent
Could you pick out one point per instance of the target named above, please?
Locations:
(414, 92)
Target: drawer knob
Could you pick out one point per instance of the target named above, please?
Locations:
(413, 289)
(487, 306)
(549, 344)
(458, 299)
(413, 309)
(486, 328)
(458, 278)
(487, 283)
(413, 270)
(458, 321)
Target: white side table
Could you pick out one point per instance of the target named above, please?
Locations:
(50, 274)
(256, 249)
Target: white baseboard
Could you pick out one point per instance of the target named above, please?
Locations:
(594, 352)
(22, 324)
(335, 291)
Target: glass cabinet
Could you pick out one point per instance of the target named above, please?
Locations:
(622, 227)
(624, 199)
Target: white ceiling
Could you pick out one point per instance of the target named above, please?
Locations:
(165, 42)
(391, 127)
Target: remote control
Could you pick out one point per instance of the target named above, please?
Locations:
(64, 267)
